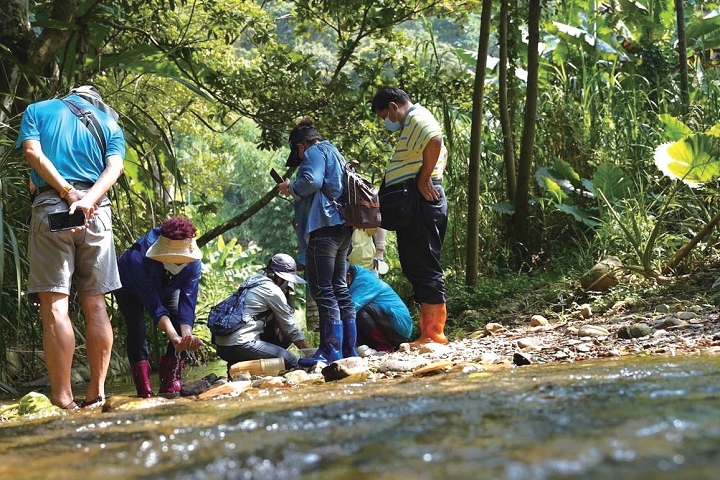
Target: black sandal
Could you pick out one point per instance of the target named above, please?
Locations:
(97, 402)
(71, 406)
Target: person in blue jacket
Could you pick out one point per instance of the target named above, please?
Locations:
(383, 320)
(324, 237)
(160, 274)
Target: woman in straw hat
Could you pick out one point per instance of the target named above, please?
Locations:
(160, 274)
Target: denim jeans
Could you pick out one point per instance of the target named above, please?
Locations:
(268, 345)
(326, 267)
(419, 246)
(133, 311)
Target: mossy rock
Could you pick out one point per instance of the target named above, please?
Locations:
(636, 330)
(36, 404)
(601, 277)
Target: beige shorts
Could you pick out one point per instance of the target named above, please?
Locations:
(55, 257)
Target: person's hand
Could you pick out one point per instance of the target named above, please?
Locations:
(186, 340)
(75, 199)
(190, 343)
(427, 190)
(284, 187)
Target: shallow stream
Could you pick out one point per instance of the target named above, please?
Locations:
(634, 418)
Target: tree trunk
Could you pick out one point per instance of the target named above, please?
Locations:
(473, 229)
(520, 217)
(505, 117)
(682, 57)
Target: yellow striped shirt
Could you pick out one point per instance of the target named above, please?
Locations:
(419, 128)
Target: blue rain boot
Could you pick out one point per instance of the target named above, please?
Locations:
(349, 338)
(331, 341)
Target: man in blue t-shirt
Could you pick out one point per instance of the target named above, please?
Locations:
(72, 171)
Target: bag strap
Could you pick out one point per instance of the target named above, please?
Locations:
(90, 121)
(342, 169)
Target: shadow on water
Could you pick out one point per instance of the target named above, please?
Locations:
(655, 418)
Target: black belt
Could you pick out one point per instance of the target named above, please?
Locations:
(77, 186)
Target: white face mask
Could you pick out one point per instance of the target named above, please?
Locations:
(392, 126)
(174, 269)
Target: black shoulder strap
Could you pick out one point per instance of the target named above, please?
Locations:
(90, 121)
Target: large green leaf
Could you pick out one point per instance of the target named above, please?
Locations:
(699, 28)
(694, 160)
(583, 39)
(553, 188)
(675, 129)
(613, 182)
(579, 215)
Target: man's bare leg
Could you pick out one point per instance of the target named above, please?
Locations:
(58, 345)
(98, 341)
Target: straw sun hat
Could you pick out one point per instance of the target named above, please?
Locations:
(167, 250)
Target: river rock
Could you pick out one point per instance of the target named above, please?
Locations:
(435, 367)
(397, 365)
(36, 404)
(672, 323)
(527, 343)
(494, 328)
(434, 349)
(538, 321)
(196, 387)
(125, 403)
(344, 368)
(297, 376)
(521, 359)
(592, 331)
(686, 315)
(488, 358)
(269, 382)
(601, 277)
(586, 311)
(231, 388)
(636, 330)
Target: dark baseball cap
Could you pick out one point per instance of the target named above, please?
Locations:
(285, 267)
(298, 136)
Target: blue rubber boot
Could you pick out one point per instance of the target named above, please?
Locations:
(331, 341)
(349, 338)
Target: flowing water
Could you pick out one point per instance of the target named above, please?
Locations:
(635, 418)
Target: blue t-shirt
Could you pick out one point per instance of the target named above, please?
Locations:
(67, 142)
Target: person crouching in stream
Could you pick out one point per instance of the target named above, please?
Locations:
(268, 325)
(160, 274)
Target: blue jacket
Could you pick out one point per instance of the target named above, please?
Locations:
(368, 288)
(143, 277)
(318, 178)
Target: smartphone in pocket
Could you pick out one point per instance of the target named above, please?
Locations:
(63, 221)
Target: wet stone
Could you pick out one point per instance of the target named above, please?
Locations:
(521, 359)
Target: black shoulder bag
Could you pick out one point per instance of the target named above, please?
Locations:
(90, 121)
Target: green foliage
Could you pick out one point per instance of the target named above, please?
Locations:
(506, 293)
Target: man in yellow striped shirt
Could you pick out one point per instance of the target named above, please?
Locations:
(420, 158)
